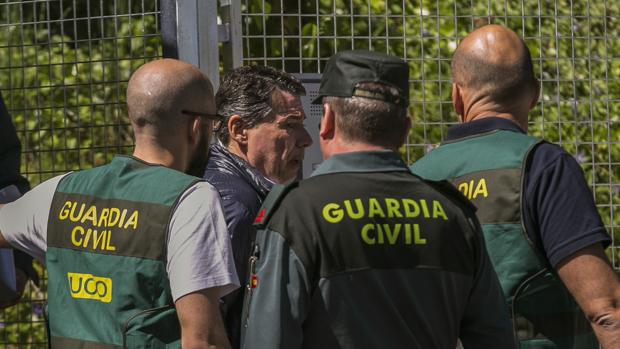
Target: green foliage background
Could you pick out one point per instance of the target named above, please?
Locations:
(64, 67)
(575, 46)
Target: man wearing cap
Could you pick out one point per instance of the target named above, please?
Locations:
(363, 254)
(543, 232)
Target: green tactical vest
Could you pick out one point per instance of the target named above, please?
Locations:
(488, 169)
(106, 257)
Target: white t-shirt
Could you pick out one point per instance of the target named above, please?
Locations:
(199, 252)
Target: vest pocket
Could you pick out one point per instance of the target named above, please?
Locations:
(156, 328)
(546, 316)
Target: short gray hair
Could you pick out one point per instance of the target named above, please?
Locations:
(368, 120)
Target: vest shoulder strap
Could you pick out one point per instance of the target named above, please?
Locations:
(272, 201)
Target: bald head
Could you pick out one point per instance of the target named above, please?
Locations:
(494, 62)
(159, 90)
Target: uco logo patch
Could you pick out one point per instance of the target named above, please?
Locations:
(87, 286)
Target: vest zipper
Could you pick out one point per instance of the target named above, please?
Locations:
(251, 284)
(143, 312)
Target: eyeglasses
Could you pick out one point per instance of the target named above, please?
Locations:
(218, 120)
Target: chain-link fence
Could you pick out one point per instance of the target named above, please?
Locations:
(575, 46)
(64, 65)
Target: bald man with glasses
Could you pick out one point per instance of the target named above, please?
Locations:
(136, 250)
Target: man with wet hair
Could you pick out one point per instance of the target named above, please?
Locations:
(263, 120)
(136, 250)
(543, 232)
(261, 141)
(363, 254)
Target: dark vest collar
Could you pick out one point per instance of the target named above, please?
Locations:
(363, 161)
(222, 160)
(485, 125)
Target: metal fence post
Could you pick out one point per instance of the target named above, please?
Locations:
(232, 43)
(197, 35)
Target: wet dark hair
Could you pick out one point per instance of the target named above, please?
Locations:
(246, 91)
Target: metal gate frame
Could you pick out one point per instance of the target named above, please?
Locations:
(199, 36)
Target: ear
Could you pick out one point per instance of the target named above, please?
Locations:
(407, 128)
(328, 123)
(236, 130)
(195, 129)
(457, 101)
(536, 94)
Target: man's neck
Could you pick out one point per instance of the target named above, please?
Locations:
(234, 148)
(484, 107)
(159, 156)
(488, 114)
(340, 147)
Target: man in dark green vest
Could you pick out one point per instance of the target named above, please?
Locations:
(137, 251)
(363, 254)
(541, 227)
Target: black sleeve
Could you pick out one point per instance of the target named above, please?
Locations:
(560, 213)
(23, 262)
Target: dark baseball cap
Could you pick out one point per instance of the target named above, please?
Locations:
(346, 69)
